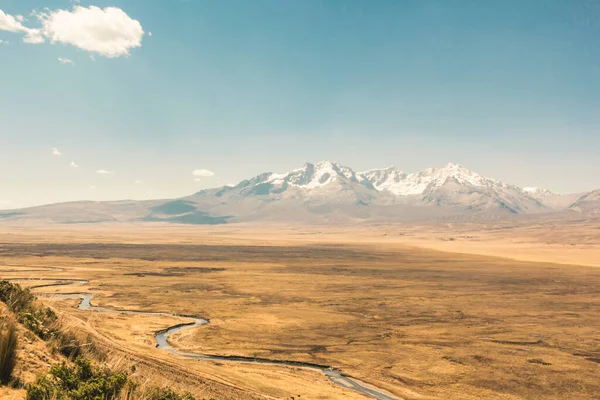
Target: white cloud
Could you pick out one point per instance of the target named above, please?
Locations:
(109, 32)
(74, 165)
(104, 172)
(3, 41)
(14, 24)
(137, 182)
(65, 61)
(34, 36)
(202, 173)
(56, 152)
(149, 33)
(92, 57)
(92, 187)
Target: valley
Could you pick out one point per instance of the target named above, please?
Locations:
(300, 200)
(403, 318)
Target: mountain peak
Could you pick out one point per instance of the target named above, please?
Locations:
(391, 168)
(537, 191)
(451, 165)
(456, 169)
(326, 164)
(311, 176)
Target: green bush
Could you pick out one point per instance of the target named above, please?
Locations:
(34, 317)
(8, 352)
(82, 381)
(38, 321)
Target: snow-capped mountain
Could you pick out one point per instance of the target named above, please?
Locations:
(327, 183)
(330, 192)
(537, 192)
(454, 185)
(401, 184)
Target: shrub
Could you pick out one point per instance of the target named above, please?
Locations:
(8, 352)
(38, 320)
(82, 381)
(166, 394)
(33, 316)
(16, 298)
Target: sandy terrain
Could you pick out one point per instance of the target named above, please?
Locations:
(566, 241)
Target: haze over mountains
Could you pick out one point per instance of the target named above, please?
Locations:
(328, 192)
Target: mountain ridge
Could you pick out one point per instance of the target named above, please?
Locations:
(330, 191)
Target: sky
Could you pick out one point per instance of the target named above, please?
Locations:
(138, 99)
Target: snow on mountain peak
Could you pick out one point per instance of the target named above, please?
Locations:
(461, 175)
(391, 180)
(537, 192)
(312, 176)
(401, 184)
(452, 185)
(382, 179)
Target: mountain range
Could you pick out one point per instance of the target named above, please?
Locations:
(329, 192)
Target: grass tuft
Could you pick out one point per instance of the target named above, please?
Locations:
(8, 352)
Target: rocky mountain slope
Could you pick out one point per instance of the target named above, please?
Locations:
(588, 204)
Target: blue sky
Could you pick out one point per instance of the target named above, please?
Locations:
(510, 89)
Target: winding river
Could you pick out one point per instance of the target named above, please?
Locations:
(162, 336)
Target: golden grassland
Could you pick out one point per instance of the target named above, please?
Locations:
(382, 304)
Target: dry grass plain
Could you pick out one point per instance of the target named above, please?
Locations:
(421, 323)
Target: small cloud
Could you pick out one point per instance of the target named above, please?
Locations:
(202, 173)
(104, 172)
(137, 182)
(92, 57)
(149, 33)
(3, 41)
(92, 187)
(56, 152)
(230, 184)
(74, 165)
(65, 61)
